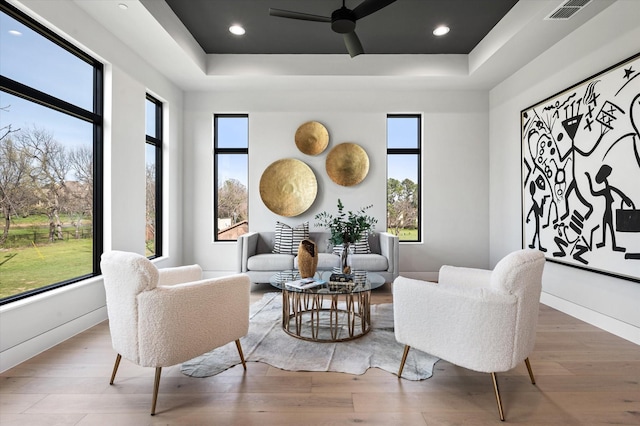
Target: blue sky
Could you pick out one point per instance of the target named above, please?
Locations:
(402, 133)
(233, 132)
(51, 70)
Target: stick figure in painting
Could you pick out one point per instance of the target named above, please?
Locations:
(607, 193)
(538, 211)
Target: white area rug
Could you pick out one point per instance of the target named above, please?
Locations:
(266, 342)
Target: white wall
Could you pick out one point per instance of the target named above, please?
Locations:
(32, 325)
(609, 38)
(455, 168)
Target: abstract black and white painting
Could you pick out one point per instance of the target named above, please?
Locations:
(581, 173)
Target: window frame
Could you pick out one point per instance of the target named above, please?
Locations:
(417, 151)
(95, 118)
(226, 151)
(157, 142)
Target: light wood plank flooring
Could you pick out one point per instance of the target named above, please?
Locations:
(585, 376)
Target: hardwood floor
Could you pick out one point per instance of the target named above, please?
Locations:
(584, 376)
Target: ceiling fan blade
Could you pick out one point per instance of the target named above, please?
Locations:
(367, 7)
(298, 15)
(354, 47)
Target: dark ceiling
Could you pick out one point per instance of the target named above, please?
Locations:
(403, 27)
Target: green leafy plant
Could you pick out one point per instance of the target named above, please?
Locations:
(347, 227)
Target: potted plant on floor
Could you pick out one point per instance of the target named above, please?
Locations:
(346, 229)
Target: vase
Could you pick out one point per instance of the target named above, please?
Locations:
(307, 258)
(344, 258)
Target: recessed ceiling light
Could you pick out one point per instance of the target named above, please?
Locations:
(15, 32)
(236, 29)
(441, 30)
(123, 6)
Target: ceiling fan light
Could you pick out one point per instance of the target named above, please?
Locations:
(441, 30)
(343, 21)
(236, 29)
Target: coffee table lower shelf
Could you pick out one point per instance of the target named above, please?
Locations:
(326, 317)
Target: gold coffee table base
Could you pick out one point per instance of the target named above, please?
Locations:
(354, 318)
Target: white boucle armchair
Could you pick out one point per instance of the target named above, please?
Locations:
(477, 319)
(163, 317)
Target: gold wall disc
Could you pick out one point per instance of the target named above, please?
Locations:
(312, 138)
(288, 187)
(347, 164)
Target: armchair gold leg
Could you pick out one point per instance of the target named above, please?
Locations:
(115, 368)
(244, 365)
(156, 386)
(528, 364)
(497, 391)
(404, 359)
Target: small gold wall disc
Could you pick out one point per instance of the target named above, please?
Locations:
(347, 164)
(288, 187)
(312, 138)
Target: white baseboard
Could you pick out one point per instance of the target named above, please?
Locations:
(604, 322)
(38, 344)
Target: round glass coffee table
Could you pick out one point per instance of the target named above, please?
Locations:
(277, 280)
(328, 312)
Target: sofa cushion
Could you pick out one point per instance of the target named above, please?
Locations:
(326, 261)
(270, 262)
(287, 239)
(368, 262)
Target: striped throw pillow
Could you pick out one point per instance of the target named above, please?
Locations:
(359, 247)
(362, 246)
(287, 239)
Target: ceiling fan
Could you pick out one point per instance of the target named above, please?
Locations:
(343, 20)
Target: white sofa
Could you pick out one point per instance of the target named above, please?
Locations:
(256, 259)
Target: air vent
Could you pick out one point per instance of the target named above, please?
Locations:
(567, 9)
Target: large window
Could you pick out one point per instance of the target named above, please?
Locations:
(231, 165)
(153, 177)
(50, 159)
(403, 176)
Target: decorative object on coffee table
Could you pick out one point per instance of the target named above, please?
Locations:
(344, 258)
(347, 164)
(346, 229)
(307, 258)
(312, 138)
(341, 281)
(288, 187)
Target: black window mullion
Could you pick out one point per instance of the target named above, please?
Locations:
(403, 151)
(44, 99)
(231, 151)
